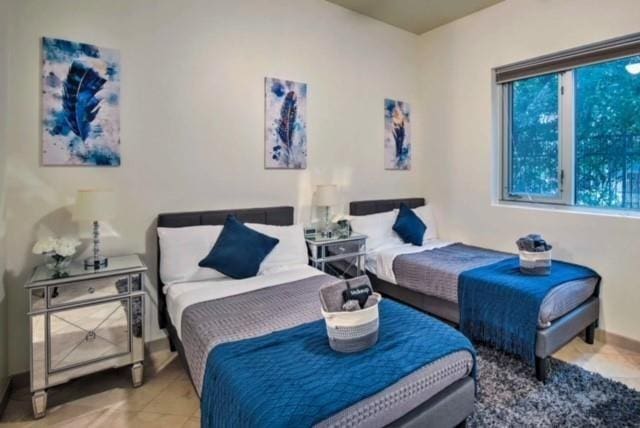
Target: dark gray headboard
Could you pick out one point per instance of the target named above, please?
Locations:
(382, 205)
(278, 216)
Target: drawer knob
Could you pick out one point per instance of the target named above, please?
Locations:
(91, 290)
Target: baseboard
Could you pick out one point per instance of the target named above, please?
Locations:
(618, 340)
(5, 393)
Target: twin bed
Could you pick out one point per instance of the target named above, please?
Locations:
(208, 317)
(256, 349)
(426, 278)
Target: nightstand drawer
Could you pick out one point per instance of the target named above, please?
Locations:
(77, 292)
(88, 333)
(344, 248)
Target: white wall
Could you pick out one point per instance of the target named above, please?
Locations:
(192, 115)
(3, 161)
(460, 144)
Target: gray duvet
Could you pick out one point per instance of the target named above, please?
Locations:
(208, 324)
(435, 273)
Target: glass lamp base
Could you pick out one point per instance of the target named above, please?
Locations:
(93, 263)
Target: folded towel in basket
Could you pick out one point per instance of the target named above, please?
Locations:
(351, 305)
(532, 243)
(334, 297)
(360, 294)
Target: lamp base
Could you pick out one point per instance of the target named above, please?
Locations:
(93, 263)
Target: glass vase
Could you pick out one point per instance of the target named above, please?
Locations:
(57, 264)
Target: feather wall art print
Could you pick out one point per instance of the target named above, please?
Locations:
(285, 133)
(397, 135)
(80, 104)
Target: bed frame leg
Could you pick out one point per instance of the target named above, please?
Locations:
(542, 369)
(172, 346)
(590, 334)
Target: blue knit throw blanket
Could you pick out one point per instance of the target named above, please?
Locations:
(292, 378)
(500, 306)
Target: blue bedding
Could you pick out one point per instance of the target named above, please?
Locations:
(292, 378)
(500, 306)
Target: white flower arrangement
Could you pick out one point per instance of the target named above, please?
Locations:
(340, 217)
(65, 247)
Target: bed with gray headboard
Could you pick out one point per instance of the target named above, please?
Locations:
(450, 406)
(278, 216)
(583, 318)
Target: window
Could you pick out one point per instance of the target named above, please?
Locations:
(534, 162)
(607, 134)
(572, 136)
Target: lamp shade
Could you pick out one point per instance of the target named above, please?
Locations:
(326, 195)
(94, 205)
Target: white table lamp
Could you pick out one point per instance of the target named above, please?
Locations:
(95, 206)
(326, 197)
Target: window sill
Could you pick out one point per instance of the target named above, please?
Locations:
(539, 206)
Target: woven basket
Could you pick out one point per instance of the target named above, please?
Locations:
(535, 263)
(350, 331)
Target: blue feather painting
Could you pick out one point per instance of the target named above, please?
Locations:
(285, 124)
(397, 135)
(80, 104)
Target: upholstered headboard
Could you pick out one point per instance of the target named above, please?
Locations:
(382, 205)
(278, 216)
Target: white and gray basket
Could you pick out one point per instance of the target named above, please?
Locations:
(352, 331)
(535, 262)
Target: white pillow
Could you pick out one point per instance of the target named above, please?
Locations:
(426, 215)
(291, 250)
(182, 248)
(378, 228)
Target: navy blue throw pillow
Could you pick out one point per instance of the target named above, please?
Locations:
(239, 250)
(409, 226)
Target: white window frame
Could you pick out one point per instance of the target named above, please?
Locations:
(566, 149)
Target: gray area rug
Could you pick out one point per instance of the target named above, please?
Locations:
(510, 396)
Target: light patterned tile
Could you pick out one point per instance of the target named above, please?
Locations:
(570, 354)
(124, 397)
(632, 357)
(597, 348)
(610, 365)
(633, 383)
(159, 360)
(192, 423)
(196, 414)
(70, 415)
(179, 398)
(605, 359)
(84, 398)
(119, 419)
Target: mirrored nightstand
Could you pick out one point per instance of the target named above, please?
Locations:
(338, 256)
(85, 321)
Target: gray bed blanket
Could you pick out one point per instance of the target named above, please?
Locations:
(208, 324)
(435, 272)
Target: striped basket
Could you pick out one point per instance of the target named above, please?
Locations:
(535, 263)
(349, 331)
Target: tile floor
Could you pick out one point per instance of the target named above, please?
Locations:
(167, 398)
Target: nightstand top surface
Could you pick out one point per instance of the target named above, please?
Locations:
(318, 240)
(76, 271)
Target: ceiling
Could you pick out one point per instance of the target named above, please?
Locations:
(416, 16)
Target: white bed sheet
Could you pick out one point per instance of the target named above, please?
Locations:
(181, 295)
(380, 262)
